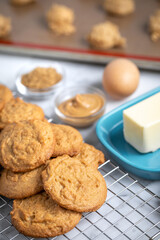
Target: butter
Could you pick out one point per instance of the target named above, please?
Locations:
(142, 124)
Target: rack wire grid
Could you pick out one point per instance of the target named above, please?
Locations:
(131, 211)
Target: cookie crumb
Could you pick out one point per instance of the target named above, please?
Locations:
(5, 26)
(106, 35)
(154, 26)
(60, 19)
(119, 7)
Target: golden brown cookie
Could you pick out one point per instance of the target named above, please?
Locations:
(17, 110)
(60, 19)
(5, 95)
(5, 26)
(26, 145)
(154, 26)
(68, 140)
(90, 155)
(21, 2)
(20, 185)
(39, 216)
(106, 35)
(41, 78)
(74, 185)
(119, 7)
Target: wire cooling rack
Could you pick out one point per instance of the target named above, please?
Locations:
(131, 211)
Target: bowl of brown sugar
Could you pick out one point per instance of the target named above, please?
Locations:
(40, 80)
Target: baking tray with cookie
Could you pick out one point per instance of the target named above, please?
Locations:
(30, 34)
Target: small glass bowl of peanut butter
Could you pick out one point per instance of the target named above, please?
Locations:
(80, 106)
(40, 80)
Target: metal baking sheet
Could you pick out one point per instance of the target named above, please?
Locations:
(31, 36)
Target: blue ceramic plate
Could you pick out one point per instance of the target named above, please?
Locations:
(110, 132)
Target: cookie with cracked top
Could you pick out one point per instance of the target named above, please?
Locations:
(68, 140)
(17, 110)
(74, 185)
(40, 216)
(90, 155)
(5, 95)
(21, 185)
(26, 145)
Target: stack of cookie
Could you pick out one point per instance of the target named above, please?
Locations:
(51, 174)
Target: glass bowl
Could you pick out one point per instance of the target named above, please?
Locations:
(71, 92)
(39, 93)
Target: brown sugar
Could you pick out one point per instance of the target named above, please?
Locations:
(41, 78)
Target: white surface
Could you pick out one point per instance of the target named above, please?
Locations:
(78, 73)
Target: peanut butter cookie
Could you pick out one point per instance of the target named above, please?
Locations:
(106, 35)
(68, 140)
(17, 110)
(5, 26)
(90, 155)
(119, 7)
(21, 2)
(154, 26)
(74, 185)
(60, 19)
(39, 216)
(41, 78)
(5, 95)
(26, 145)
(20, 185)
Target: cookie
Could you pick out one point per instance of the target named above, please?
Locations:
(74, 185)
(5, 95)
(26, 145)
(68, 140)
(154, 26)
(105, 35)
(21, 2)
(60, 19)
(5, 26)
(91, 156)
(17, 110)
(41, 78)
(20, 185)
(40, 216)
(119, 7)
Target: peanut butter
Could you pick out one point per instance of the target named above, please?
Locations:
(82, 105)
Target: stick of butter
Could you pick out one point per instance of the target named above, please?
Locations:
(142, 124)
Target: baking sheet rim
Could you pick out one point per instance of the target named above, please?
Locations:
(89, 56)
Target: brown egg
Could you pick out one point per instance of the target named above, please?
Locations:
(120, 78)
